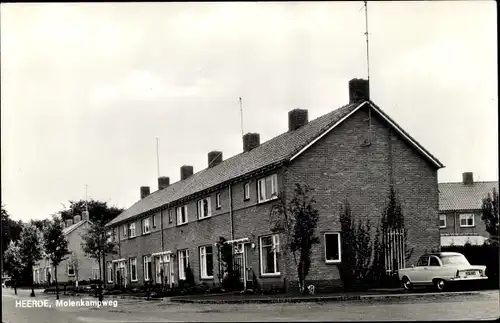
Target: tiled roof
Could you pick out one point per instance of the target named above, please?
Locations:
(458, 196)
(271, 152)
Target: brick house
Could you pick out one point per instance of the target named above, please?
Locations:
(353, 153)
(86, 268)
(460, 210)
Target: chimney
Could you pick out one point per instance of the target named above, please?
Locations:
(69, 222)
(251, 141)
(77, 218)
(468, 178)
(359, 90)
(214, 158)
(144, 191)
(186, 171)
(85, 215)
(296, 119)
(163, 182)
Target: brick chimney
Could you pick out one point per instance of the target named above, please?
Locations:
(85, 215)
(77, 218)
(186, 171)
(251, 141)
(214, 158)
(359, 90)
(163, 182)
(296, 119)
(468, 178)
(69, 222)
(145, 191)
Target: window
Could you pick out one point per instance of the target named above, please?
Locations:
(125, 230)
(154, 221)
(466, 220)
(434, 261)
(110, 272)
(442, 220)
(204, 208)
(182, 216)
(423, 261)
(332, 247)
(267, 188)
(95, 273)
(133, 269)
(145, 226)
(206, 262)
(269, 255)
(170, 215)
(131, 230)
(183, 256)
(246, 191)
(110, 236)
(147, 268)
(218, 204)
(71, 270)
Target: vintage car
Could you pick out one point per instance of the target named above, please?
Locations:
(440, 270)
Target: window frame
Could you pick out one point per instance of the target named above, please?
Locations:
(145, 271)
(246, 191)
(444, 219)
(203, 262)
(131, 229)
(467, 215)
(71, 266)
(274, 188)
(276, 250)
(133, 261)
(145, 225)
(339, 246)
(218, 203)
(182, 273)
(179, 214)
(125, 230)
(153, 221)
(171, 215)
(110, 272)
(200, 208)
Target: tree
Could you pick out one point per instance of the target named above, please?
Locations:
(98, 210)
(490, 214)
(11, 230)
(297, 221)
(13, 265)
(55, 245)
(30, 248)
(97, 243)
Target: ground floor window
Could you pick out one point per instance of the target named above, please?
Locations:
(183, 256)
(332, 247)
(95, 273)
(206, 262)
(110, 272)
(147, 268)
(269, 255)
(71, 270)
(133, 269)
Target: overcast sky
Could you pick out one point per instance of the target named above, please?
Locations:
(86, 88)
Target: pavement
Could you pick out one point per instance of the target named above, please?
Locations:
(470, 306)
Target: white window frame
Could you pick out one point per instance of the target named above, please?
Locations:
(133, 262)
(442, 217)
(466, 216)
(261, 188)
(203, 262)
(110, 236)
(145, 271)
(201, 212)
(131, 229)
(145, 226)
(218, 203)
(246, 191)
(339, 247)
(95, 273)
(180, 264)
(153, 221)
(276, 250)
(179, 214)
(170, 215)
(110, 271)
(125, 230)
(71, 266)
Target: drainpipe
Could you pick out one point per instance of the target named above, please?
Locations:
(231, 212)
(161, 228)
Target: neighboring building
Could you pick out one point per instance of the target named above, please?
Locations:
(460, 211)
(86, 267)
(355, 152)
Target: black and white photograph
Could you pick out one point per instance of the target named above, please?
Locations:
(249, 161)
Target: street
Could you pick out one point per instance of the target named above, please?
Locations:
(459, 307)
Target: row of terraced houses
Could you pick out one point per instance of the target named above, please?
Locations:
(354, 153)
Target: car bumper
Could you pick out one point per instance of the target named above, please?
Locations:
(467, 279)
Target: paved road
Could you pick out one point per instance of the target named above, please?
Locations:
(470, 307)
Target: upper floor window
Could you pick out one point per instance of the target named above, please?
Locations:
(145, 226)
(125, 230)
(466, 220)
(154, 220)
(131, 230)
(109, 234)
(442, 220)
(267, 188)
(246, 191)
(170, 215)
(217, 201)
(204, 208)
(182, 215)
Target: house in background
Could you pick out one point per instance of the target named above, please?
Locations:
(460, 211)
(86, 269)
(355, 153)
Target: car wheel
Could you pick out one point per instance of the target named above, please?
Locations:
(439, 285)
(407, 285)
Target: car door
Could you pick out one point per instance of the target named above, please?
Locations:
(419, 270)
(433, 270)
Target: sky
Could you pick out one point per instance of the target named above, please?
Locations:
(87, 88)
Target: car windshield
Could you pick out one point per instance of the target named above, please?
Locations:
(454, 260)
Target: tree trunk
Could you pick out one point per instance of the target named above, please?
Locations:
(57, 287)
(100, 276)
(32, 284)
(15, 286)
(101, 297)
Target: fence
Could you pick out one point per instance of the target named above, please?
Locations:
(394, 251)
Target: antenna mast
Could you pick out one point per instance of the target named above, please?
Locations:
(241, 115)
(367, 44)
(157, 157)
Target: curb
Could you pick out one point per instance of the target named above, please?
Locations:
(341, 298)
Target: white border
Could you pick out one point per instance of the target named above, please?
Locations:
(339, 246)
